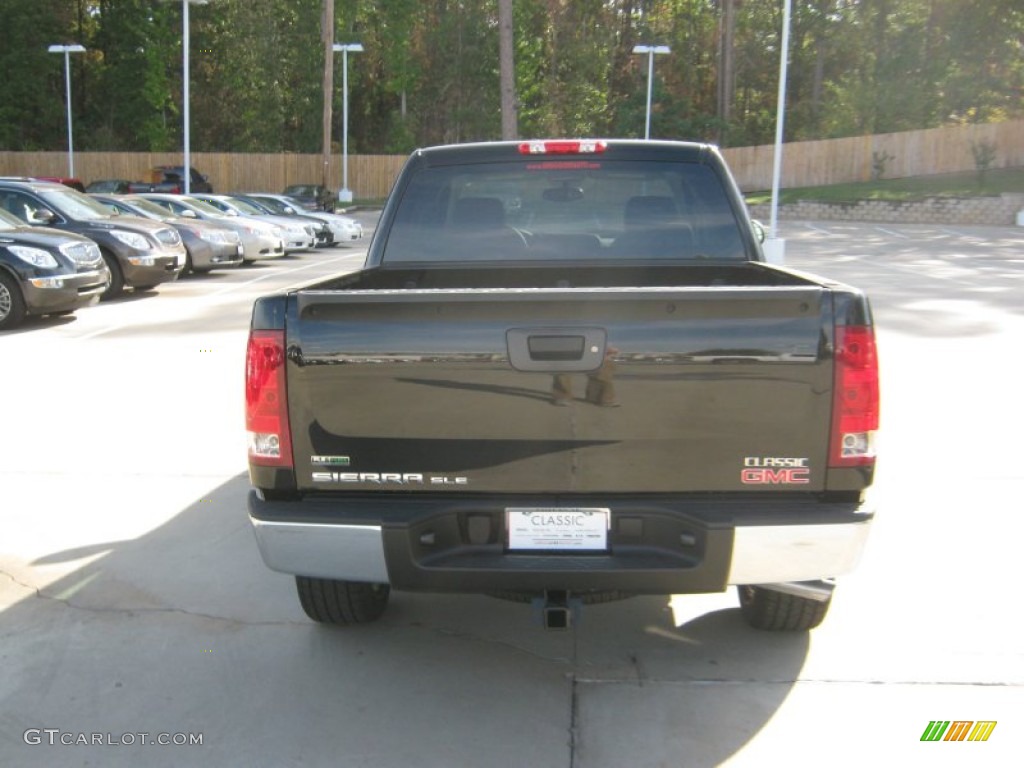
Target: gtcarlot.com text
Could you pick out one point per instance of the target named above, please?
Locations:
(55, 736)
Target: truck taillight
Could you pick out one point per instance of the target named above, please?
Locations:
(855, 400)
(574, 147)
(266, 402)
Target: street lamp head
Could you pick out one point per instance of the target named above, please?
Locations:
(348, 47)
(70, 48)
(658, 49)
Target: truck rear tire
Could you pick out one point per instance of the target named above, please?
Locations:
(779, 611)
(341, 602)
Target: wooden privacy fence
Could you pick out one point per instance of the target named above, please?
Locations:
(805, 164)
(369, 176)
(901, 155)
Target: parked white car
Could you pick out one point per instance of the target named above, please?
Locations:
(298, 235)
(344, 229)
(260, 239)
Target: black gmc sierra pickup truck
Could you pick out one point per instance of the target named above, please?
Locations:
(565, 374)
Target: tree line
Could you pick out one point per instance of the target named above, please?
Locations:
(429, 71)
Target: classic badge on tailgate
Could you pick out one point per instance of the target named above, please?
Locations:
(775, 470)
(581, 529)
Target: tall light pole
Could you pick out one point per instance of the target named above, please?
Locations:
(651, 51)
(345, 194)
(774, 246)
(187, 171)
(68, 49)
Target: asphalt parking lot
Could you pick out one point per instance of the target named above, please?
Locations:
(137, 619)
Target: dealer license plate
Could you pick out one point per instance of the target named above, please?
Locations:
(578, 529)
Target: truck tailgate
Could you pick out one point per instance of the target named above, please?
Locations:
(583, 390)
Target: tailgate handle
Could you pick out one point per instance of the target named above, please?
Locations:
(547, 348)
(556, 350)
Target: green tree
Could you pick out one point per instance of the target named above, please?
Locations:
(384, 78)
(256, 68)
(983, 46)
(430, 72)
(131, 106)
(32, 109)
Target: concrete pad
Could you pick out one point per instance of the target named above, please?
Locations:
(805, 724)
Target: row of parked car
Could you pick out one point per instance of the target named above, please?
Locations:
(171, 178)
(61, 249)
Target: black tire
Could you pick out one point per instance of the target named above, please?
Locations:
(12, 303)
(115, 285)
(342, 602)
(778, 611)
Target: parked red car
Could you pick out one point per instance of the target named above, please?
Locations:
(66, 181)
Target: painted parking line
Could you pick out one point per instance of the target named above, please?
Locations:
(815, 228)
(278, 269)
(305, 283)
(224, 295)
(893, 233)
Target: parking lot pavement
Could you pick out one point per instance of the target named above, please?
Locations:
(940, 250)
(134, 604)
